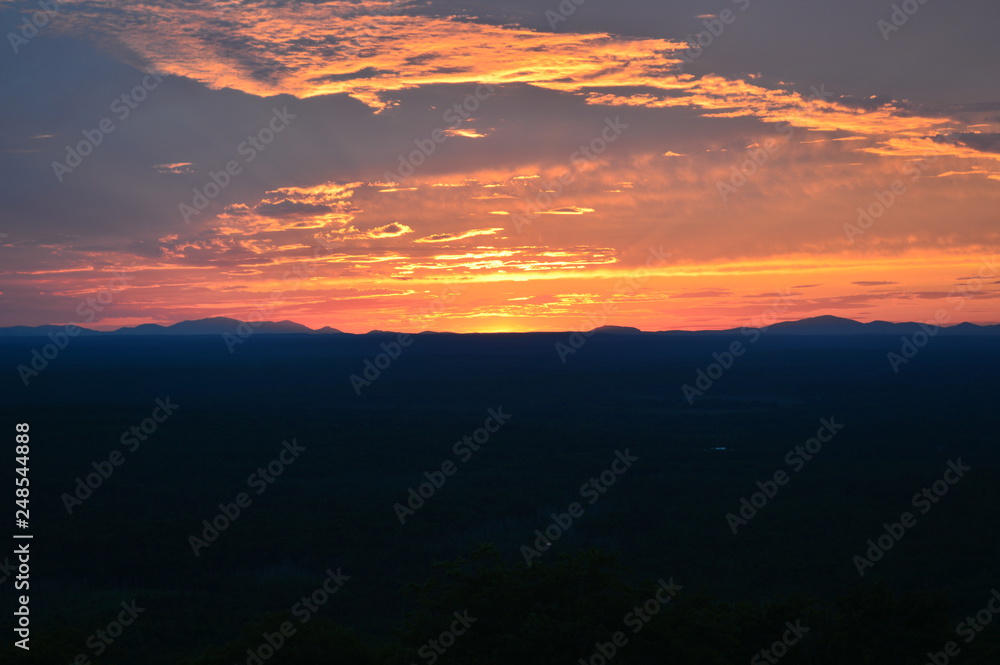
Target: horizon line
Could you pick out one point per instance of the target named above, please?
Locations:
(626, 329)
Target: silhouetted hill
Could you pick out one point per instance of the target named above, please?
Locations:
(218, 325)
(617, 330)
(835, 325)
(819, 325)
(213, 326)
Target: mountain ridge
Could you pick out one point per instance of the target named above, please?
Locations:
(218, 325)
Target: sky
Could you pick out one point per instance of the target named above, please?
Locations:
(487, 166)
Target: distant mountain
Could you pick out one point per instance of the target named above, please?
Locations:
(285, 327)
(817, 325)
(213, 326)
(835, 325)
(617, 330)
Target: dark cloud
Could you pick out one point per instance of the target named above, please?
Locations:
(145, 249)
(363, 73)
(286, 208)
(986, 142)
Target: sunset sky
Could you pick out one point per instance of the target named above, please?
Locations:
(486, 166)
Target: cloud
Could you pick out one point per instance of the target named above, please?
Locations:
(335, 47)
(928, 146)
(393, 230)
(449, 237)
(984, 142)
(366, 79)
(466, 133)
(289, 208)
(568, 210)
(177, 167)
(341, 47)
(707, 293)
(727, 98)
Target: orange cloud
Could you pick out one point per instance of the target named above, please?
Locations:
(364, 50)
(450, 237)
(308, 49)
